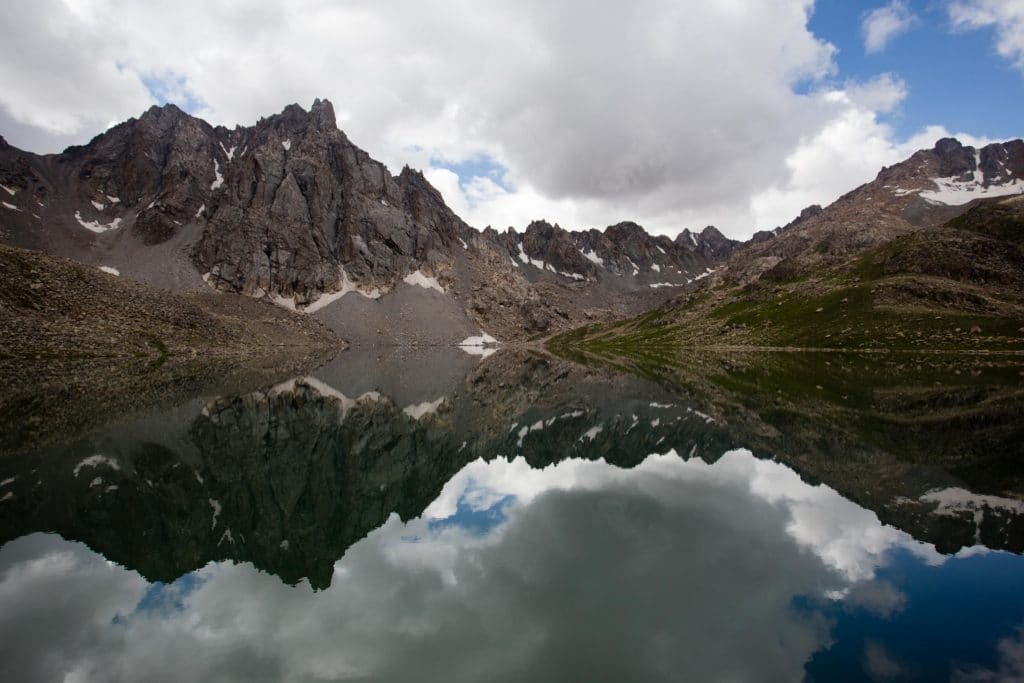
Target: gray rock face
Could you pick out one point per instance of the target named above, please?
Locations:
(291, 209)
(623, 255)
(709, 246)
(303, 211)
(930, 188)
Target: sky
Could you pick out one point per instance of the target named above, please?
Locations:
(733, 113)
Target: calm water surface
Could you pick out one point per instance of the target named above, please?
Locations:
(441, 517)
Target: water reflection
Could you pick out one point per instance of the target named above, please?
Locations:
(260, 536)
(580, 570)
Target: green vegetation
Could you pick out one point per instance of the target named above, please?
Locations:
(963, 412)
(914, 349)
(959, 288)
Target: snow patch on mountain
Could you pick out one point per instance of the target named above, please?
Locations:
(954, 192)
(592, 257)
(421, 410)
(526, 259)
(418, 279)
(482, 340)
(218, 178)
(96, 461)
(96, 226)
(326, 298)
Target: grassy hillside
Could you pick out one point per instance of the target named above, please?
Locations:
(955, 288)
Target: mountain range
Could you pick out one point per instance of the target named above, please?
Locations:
(290, 212)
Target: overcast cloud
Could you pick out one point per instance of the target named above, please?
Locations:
(586, 113)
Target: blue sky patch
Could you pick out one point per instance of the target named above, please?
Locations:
(479, 166)
(167, 598)
(954, 78)
(475, 521)
(172, 88)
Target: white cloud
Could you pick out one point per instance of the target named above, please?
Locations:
(847, 151)
(884, 23)
(674, 117)
(1005, 16)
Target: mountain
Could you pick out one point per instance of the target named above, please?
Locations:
(929, 255)
(927, 190)
(291, 210)
(624, 255)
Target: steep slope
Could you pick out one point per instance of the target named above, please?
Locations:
(290, 209)
(925, 191)
(55, 308)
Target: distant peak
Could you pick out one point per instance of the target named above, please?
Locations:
(711, 231)
(162, 116)
(944, 143)
(323, 112)
(945, 146)
(161, 110)
(540, 224)
(320, 115)
(411, 174)
(623, 230)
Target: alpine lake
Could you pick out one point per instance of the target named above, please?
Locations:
(432, 515)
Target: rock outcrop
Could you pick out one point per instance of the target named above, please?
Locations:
(624, 255)
(926, 191)
(291, 210)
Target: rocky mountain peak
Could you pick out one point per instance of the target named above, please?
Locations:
(322, 112)
(954, 158)
(295, 122)
(625, 231)
(712, 233)
(162, 112)
(290, 210)
(542, 229)
(925, 191)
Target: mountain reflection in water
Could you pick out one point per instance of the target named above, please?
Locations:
(561, 522)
